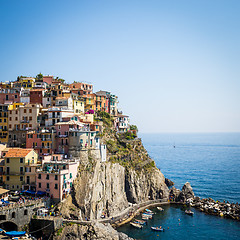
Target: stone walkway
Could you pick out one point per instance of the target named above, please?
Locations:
(127, 215)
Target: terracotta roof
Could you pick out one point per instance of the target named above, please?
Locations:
(18, 152)
(62, 97)
(37, 90)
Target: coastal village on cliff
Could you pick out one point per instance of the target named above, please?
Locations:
(68, 155)
(43, 120)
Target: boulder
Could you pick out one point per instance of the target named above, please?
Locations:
(186, 193)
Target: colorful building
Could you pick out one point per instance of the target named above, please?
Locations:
(56, 114)
(62, 134)
(24, 82)
(3, 123)
(9, 95)
(64, 102)
(102, 101)
(85, 88)
(56, 178)
(42, 141)
(36, 95)
(121, 123)
(16, 159)
(89, 102)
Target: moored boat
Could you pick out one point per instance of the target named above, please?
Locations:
(149, 216)
(142, 222)
(146, 217)
(160, 229)
(15, 233)
(136, 225)
(160, 209)
(189, 212)
(149, 211)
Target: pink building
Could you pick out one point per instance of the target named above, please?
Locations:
(62, 133)
(48, 79)
(56, 178)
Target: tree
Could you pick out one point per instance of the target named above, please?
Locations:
(134, 127)
(39, 76)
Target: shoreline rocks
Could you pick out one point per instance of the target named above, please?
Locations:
(222, 209)
(206, 205)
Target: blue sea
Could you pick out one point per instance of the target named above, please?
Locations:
(211, 163)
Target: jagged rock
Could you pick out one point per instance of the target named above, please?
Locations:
(168, 182)
(174, 193)
(186, 193)
(143, 186)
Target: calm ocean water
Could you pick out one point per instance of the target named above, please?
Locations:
(211, 163)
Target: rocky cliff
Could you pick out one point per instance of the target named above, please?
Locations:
(107, 188)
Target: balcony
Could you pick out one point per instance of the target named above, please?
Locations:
(46, 139)
(61, 136)
(25, 121)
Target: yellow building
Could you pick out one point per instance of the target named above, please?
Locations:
(16, 160)
(3, 123)
(78, 106)
(89, 102)
(25, 82)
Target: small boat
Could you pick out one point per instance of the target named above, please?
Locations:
(15, 233)
(160, 229)
(136, 225)
(149, 211)
(160, 209)
(189, 212)
(147, 215)
(142, 222)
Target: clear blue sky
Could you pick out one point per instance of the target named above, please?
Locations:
(175, 65)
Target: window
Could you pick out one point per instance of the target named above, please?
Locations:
(8, 178)
(25, 212)
(48, 185)
(13, 214)
(39, 176)
(56, 186)
(25, 110)
(16, 118)
(30, 110)
(39, 185)
(56, 177)
(28, 180)
(8, 160)
(21, 160)
(21, 178)
(47, 176)
(30, 118)
(10, 119)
